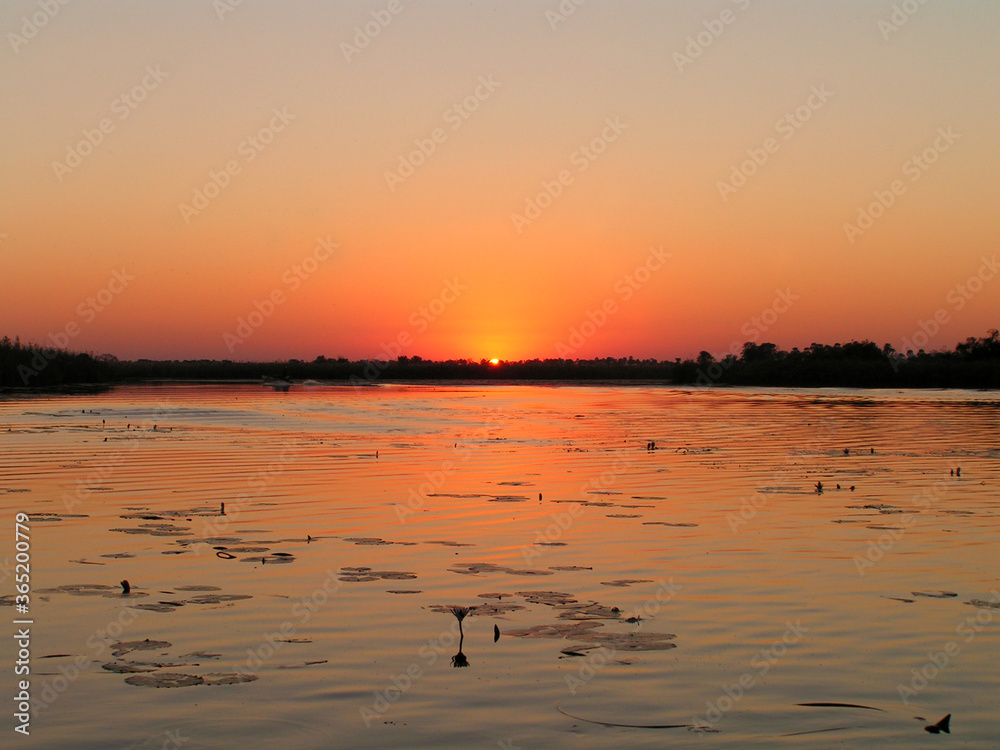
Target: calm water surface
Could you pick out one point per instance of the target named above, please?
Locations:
(749, 593)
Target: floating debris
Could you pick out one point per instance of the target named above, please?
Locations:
(935, 594)
(668, 523)
(403, 591)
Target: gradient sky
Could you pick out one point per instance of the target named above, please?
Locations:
(223, 69)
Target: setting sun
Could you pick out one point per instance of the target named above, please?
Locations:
(494, 361)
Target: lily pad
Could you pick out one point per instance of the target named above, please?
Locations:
(560, 630)
(154, 607)
(123, 647)
(623, 582)
(227, 678)
(369, 541)
(216, 598)
(164, 680)
(984, 603)
(125, 668)
(548, 598)
(363, 574)
(638, 641)
(471, 569)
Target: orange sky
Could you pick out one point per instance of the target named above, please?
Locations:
(559, 155)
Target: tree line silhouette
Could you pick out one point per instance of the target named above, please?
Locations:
(974, 363)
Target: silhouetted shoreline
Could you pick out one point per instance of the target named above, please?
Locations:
(975, 363)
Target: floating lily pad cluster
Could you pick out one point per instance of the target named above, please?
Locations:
(149, 674)
(580, 621)
(363, 574)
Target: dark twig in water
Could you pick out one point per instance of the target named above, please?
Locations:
(826, 704)
(616, 724)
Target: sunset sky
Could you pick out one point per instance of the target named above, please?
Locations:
(265, 179)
